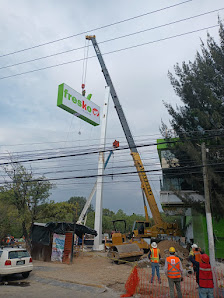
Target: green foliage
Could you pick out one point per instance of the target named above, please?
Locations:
(58, 212)
(109, 216)
(90, 220)
(171, 218)
(23, 194)
(200, 87)
(80, 203)
(24, 200)
(9, 221)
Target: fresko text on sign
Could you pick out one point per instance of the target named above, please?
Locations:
(76, 104)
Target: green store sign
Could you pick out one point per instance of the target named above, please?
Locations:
(76, 104)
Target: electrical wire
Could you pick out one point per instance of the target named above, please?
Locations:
(124, 147)
(90, 152)
(108, 53)
(114, 174)
(112, 39)
(95, 29)
(67, 149)
(120, 137)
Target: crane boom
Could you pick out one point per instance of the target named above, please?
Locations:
(134, 152)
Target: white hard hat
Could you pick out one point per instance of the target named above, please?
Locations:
(154, 245)
(194, 246)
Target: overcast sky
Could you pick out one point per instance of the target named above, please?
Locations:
(30, 118)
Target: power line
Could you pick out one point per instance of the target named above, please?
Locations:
(112, 39)
(88, 169)
(56, 142)
(52, 170)
(118, 137)
(97, 151)
(56, 152)
(71, 155)
(108, 175)
(94, 146)
(107, 53)
(95, 29)
(80, 177)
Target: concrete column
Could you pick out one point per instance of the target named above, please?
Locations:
(211, 244)
(99, 189)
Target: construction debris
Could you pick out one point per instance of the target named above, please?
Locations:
(181, 252)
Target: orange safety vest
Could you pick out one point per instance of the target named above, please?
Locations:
(155, 255)
(197, 256)
(173, 267)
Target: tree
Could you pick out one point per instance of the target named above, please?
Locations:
(25, 194)
(59, 212)
(108, 212)
(80, 203)
(9, 222)
(200, 87)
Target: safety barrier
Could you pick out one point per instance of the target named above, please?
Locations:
(139, 283)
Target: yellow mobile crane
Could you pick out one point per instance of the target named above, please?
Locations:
(160, 226)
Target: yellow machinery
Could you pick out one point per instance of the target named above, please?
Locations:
(120, 248)
(160, 226)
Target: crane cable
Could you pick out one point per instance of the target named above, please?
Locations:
(84, 71)
(85, 62)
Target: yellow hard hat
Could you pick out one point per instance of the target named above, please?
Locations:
(172, 249)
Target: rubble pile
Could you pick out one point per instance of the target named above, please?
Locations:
(181, 252)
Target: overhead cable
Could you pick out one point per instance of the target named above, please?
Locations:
(111, 52)
(107, 175)
(86, 153)
(112, 39)
(95, 29)
(118, 137)
(97, 151)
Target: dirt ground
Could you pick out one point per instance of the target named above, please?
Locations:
(96, 270)
(89, 268)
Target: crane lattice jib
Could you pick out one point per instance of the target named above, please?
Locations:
(134, 152)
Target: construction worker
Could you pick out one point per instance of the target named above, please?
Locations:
(204, 276)
(154, 256)
(196, 254)
(174, 271)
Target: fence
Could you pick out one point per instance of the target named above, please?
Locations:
(139, 283)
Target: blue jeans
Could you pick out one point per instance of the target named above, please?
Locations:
(155, 266)
(205, 292)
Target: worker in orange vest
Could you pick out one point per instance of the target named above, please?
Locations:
(174, 271)
(196, 254)
(154, 256)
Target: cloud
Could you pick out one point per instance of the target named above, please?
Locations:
(28, 103)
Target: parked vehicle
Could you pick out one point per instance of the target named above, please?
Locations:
(15, 260)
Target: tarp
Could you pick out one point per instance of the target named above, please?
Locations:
(41, 233)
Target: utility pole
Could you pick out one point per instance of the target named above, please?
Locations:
(208, 214)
